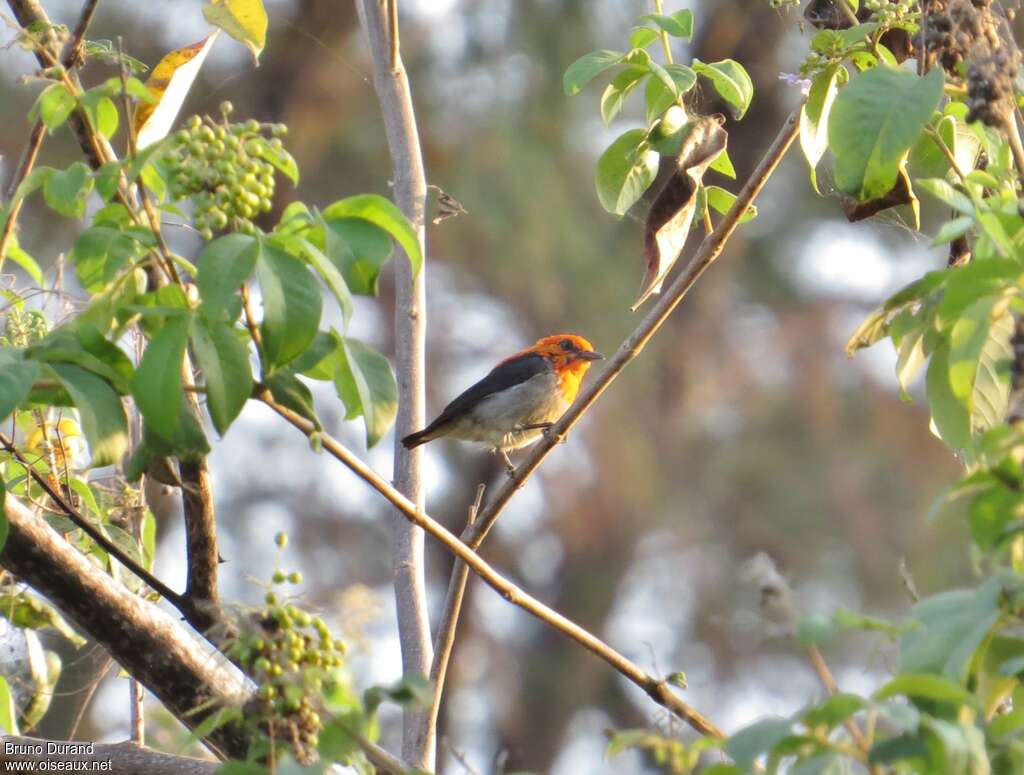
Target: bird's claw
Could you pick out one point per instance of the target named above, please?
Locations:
(549, 434)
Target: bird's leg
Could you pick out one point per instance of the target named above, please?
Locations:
(509, 468)
(545, 427)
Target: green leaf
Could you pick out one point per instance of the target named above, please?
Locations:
(18, 255)
(760, 737)
(951, 627)
(291, 305)
(224, 361)
(8, 713)
(731, 81)
(925, 686)
(992, 382)
(678, 24)
(366, 383)
(834, 710)
(814, 117)
(101, 252)
(381, 212)
(945, 193)
(157, 382)
(66, 191)
(658, 97)
(100, 409)
(288, 390)
(33, 613)
(721, 201)
(102, 113)
(723, 165)
(586, 68)
(222, 266)
(53, 106)
(642, 37)
(625, 171)
(280, 158)
(359, 249)
(966, 340)
(243, 20)
(615, 93)
(953, 229)
(4, 527)
(989, 514)
(950, 416)
(874, 122)
(328, 270)
(16, 378)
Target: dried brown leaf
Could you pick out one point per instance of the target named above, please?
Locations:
(668, 221)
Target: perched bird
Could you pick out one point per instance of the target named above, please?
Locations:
(519, 400)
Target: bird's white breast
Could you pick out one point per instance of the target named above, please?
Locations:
(497, 418)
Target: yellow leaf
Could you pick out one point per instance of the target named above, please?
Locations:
(243, 20)
(169, 83)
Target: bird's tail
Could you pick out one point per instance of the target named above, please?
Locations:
(419, 437)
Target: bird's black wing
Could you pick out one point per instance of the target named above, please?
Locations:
(504, 375)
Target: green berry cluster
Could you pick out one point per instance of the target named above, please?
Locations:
(292, 657)
(891, 12)
(24, 327)
(223, 169)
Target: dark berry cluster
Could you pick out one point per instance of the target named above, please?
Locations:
(221, 167)
(954, 30)
(990, 86)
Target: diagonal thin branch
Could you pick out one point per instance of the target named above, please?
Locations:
(657, 690)
(708, 251)
(178, 601)
(445, 641)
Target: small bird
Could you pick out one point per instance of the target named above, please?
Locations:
(519, 400)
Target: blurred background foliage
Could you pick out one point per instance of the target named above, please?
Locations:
(743, 428)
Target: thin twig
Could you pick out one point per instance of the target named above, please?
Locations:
(178, 601)
(708, 251)
(829, 682)
(1013, 136)
(663, 35)
(445, 640)
(656, 689)
(28, 160)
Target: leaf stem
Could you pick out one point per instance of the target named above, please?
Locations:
(665, 43)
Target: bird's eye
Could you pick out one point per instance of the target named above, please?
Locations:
(567, 345)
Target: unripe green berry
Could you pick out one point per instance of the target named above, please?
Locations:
(295, 578)
(279, 577)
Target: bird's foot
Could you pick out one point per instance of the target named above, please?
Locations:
(549, 434)
(509, 468)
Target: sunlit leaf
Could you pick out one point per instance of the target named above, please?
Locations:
(243, 20)
(169, 83)
(874, 121)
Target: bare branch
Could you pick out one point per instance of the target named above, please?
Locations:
(123, 758)
(379, 19)
(658, 690)
(445, 641)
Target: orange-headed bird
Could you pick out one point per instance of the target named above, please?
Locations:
(519, 400)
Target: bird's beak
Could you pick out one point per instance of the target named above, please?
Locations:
(590, 355)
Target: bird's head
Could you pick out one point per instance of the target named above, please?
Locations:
(567, 352)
